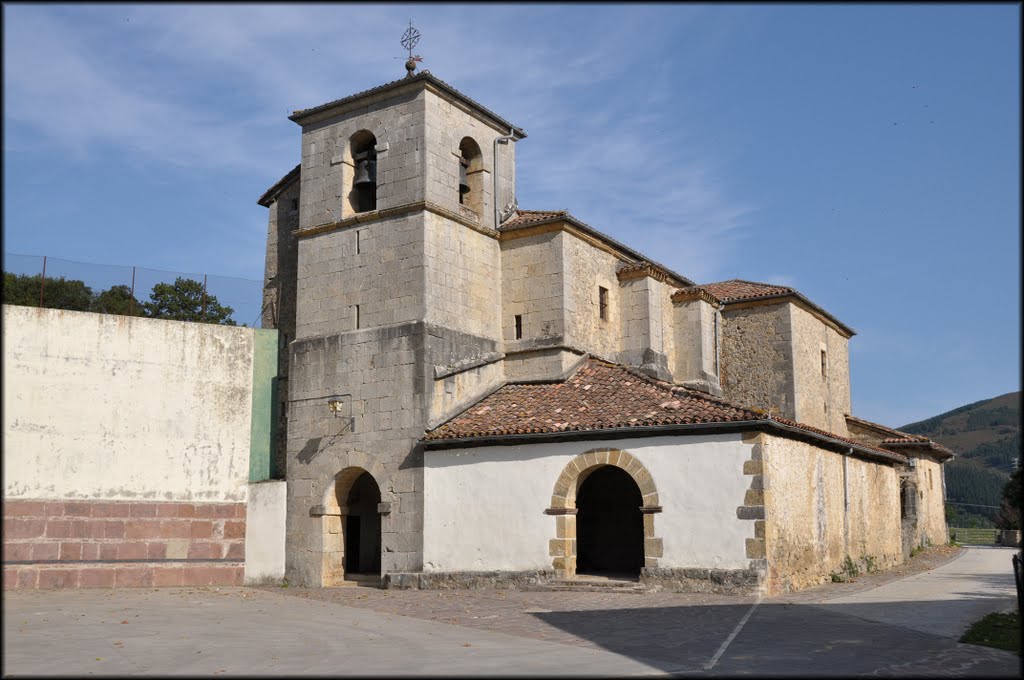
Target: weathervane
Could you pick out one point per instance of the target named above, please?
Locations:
(409, 40)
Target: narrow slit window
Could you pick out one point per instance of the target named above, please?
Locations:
(357, 316)
(824, 364)
(602, 301)
(519, 326)
(359, 241)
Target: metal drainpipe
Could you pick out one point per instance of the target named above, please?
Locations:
(499, 140)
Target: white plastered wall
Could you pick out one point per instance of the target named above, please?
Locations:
(98, 406)
(484, 506)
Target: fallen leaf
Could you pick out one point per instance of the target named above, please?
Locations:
(467, 645)
(125, 621)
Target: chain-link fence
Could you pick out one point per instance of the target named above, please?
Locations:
(43, 281)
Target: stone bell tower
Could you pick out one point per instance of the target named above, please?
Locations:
(396, 311)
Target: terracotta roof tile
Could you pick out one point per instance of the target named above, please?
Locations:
(738, 290)
(603, 396)
(525, 217)
(735, 290)
(597, 396)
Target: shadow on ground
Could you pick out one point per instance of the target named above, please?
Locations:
(785, 639)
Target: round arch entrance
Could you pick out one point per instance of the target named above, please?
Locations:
(351, 520)
(362, 527)
(609, 524)
(604, 503)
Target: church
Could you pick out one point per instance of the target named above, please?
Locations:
(471, 394)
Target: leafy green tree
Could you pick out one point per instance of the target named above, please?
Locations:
(1013, 497)
(117, 300)
(58, 292)
(184, 300)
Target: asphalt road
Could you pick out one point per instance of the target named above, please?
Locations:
(904, 627)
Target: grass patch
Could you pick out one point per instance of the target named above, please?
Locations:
(1001, 631)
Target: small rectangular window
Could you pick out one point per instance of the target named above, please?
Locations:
(824, 364)
(357, 315)
(295, 204)
(519, 326)
(602, 301)
(359, 241)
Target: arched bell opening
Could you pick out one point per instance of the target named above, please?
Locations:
(471, 176)
(363, 194)
(609, 524)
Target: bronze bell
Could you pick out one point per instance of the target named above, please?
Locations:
(463, 182)
(366, 170)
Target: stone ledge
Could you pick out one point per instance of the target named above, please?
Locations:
(698, 580)
(466, 580)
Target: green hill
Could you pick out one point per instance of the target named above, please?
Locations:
(986, 438)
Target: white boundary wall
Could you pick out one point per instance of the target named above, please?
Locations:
(484, 506)
(99, 406)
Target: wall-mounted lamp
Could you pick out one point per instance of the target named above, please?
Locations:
(340, 406)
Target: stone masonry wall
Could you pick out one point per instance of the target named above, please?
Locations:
(931, 508)
(808, 530)
(463, 278)
(380, 373)
(396, 120)
(447, 123)
(385, 277)
(643, 331)
(696, 353)
(587, 268)
(756, 357)
(531, 278)
(121, 544)
(822, 401)
(279, 284)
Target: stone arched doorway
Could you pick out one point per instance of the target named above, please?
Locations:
(352, 527)
(604, 504)
(609, 525)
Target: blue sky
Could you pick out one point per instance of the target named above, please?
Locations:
(867, 155)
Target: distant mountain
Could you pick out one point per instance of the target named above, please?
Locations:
(986, 438)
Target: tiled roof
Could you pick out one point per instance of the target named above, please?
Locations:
(527, 218)
(735, 290)
(919, 442)
(896, 435)
(422, 75)
(738, 290)
(605, 396)
(270, 194)
(899, 437)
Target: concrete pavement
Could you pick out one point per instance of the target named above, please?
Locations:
(905, 627)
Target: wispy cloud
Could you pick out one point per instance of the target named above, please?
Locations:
(208, 86)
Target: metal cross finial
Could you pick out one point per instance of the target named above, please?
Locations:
(409, 40)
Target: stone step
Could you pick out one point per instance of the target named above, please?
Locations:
(595, 585)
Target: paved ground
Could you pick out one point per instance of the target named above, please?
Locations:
(874, 626)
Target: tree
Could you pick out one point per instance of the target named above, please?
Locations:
(58, 292)
(185, 300)
(1013, 497)
(117, 300)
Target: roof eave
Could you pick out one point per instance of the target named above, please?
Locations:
(654, 430)
(569, 219)
(303, 116)
(799, 296)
